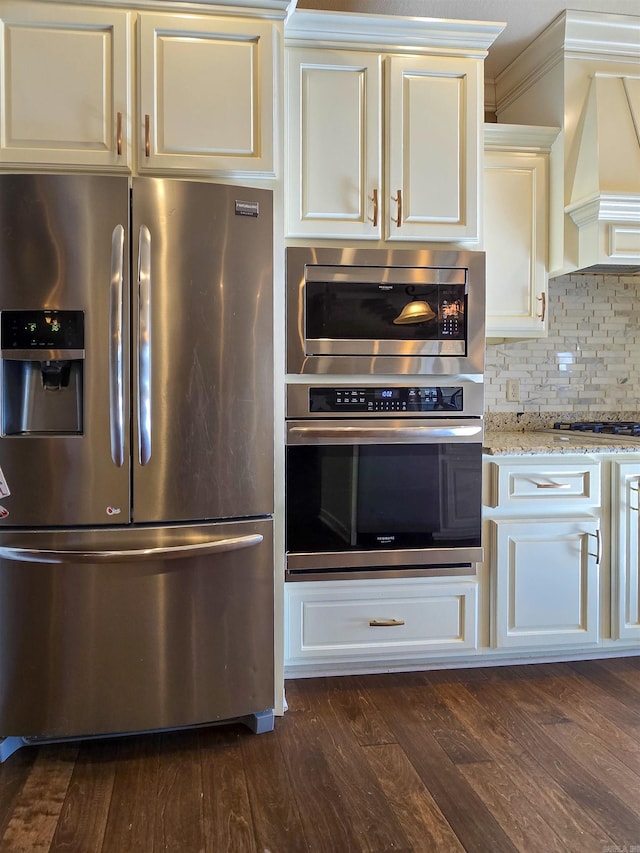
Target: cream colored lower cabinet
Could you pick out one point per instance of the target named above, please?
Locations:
(545, 576)
(544, 550)
(386, 620)
(625, 503)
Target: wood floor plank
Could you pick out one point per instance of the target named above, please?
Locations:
(422, 822)
(179, 824)
(399, 699)
(519, 768)
(621, 739)
(352, 704)
(334, 764)
(588, 751)
(609, 683)
(83, 817)
(35, 815)
(228, 824)
(131, 820)
(13, 777)
(617, 821)
(276, 819)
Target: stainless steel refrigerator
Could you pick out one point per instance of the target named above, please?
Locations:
(136, 455)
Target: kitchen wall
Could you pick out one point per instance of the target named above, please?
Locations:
(589, 363)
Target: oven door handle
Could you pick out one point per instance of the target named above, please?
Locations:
(357, 433)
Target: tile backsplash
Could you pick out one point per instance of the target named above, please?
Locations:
(590, 361)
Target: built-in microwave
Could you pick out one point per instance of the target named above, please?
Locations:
(379, 311)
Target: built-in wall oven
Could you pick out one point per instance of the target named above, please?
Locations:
(383, 480)
(385, 356)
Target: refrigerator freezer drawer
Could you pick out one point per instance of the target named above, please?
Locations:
(135, 634)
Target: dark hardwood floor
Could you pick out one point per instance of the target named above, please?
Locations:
(529, 758)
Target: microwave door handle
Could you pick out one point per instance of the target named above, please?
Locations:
(116, 361)
(144, 345)
(398, 433)
(168, 552)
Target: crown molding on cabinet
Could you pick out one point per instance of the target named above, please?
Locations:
(375, 32)
(276, 9)
(593, 35)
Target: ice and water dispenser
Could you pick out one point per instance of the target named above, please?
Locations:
(42, 372)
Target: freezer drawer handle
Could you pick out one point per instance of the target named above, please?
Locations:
(116, 363)
(144, 345)
(171, 552)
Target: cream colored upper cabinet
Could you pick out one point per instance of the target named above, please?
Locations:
(64, 86)
(206, 94)
(334, 155)
(339, 184)
(384, 126)
(434, 133)
(516, 200)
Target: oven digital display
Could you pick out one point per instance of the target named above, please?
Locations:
(401, 399)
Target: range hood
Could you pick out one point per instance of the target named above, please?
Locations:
(605, 186)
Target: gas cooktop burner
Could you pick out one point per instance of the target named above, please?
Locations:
(601, 427)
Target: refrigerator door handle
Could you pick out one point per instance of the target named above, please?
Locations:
(170, 552)
(144, 345)
(116, 363)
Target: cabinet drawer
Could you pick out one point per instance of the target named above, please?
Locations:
(527, 484)
(329, 621)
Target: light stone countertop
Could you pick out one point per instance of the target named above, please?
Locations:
(536, 443)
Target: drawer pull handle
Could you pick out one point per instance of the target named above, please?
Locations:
(553, 485)
(635, 489)
(385, 623)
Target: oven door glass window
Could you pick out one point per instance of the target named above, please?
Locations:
(368, 497)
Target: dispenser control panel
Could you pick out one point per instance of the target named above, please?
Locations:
(389, 398)
(25, 330)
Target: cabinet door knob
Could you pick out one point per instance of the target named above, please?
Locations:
(385, 623)
(542, 298)
(119, 133)
(147, 135)
(374, 199)
(398, 201)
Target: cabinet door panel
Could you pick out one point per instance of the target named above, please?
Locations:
(207, 87)
(515, 242)
(545, 582)
(625, 565)
(433, 111)
(64, 80)
(333, 143)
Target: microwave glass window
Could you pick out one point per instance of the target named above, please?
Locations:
(360, 311)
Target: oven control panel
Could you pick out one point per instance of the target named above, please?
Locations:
(387, 398)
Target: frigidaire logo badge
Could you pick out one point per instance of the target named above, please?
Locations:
(385, 540)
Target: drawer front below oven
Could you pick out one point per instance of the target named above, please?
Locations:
(387, 618)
